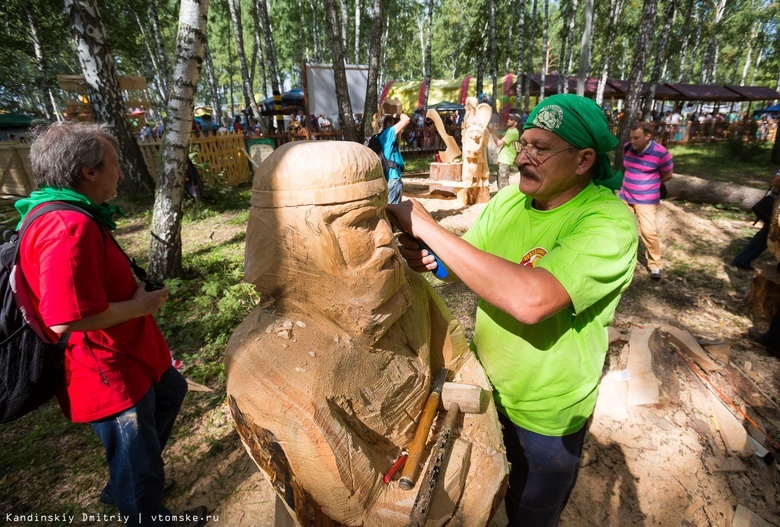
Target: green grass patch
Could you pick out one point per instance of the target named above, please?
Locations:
(749, 165)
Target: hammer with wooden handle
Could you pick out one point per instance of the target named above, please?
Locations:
(409, 474)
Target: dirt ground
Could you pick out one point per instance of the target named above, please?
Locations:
(660, 464)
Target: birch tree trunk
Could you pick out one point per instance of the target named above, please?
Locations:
(259, 46)
(529, 59)
(159, 80)
(428, 48)
(644, 39)
(246, 81)
(660, 57)
(544, 47)
(40, 61)
(103, 91)
(270, 48)
(346, 117)
(158, 40)
(746, 68)
(212, 83)
(713, 45)
(685, 35)
(374, 52)
(314, 29)
(696, 42)
(344, 25)
(493, 56)
(567, 47)
(357, 31)
(165, 246)
(565, 16)
(522, 41)
(585, 48)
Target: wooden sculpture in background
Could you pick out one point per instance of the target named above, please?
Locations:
(326, 379)
(474, 138)
(468, 179)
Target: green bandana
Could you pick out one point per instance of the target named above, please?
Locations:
(104, 213)
(581, 123)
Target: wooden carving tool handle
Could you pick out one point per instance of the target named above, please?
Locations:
(409, 474)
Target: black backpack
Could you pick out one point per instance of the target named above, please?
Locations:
(374, 144)
(31, 366)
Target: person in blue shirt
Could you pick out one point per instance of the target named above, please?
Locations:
(392, 126)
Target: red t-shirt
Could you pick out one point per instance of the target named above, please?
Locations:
(74, 270)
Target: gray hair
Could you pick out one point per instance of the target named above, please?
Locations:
(59, 152)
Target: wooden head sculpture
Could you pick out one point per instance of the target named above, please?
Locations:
(318, 237)
(326, 381)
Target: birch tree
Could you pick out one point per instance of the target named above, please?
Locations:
(102, 85)
(344, 25)
(212, 81)
(357, 30)
(346, 117)
(660, 56)
(710, 64)
(585, 48)
(372, 102)
(259, 47)
(246, 81)
(696, 41)
(544, 47)
(154, 18)
(493, 56)
(428, 50)
(644, 39)
(529, 62)
(165, 248)
(270, 48)
(522, 40)
(615, 8)
(685, 36)
(40, 60)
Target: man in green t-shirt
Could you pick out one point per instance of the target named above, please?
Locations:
(507, 154)
(549, 261)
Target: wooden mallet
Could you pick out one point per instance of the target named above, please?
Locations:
(469, 398)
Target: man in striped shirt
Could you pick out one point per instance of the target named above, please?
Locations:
(647, 164)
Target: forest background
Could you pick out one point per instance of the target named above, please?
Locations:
(707, 41)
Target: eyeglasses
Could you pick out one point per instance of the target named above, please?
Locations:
(538, 156)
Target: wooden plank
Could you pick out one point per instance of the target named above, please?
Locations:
(731, 430)
(752, 395)
(685, 342)
(744, 517)
(643, 384)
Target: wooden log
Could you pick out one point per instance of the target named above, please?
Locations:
(731, 430)
(445, 172)
(699, 190)
(764, 297)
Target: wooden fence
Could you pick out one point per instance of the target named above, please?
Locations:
(224, 155)
(16, 177)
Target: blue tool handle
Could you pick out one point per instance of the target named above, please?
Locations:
(440, 272)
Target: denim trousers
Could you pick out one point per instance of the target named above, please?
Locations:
(753, 249)
(394, 190)
(134, 440)
(543, 472)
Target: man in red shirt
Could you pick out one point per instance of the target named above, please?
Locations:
(118, 372)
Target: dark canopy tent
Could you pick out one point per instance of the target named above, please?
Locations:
(705, 92)
(662, 91)
(15, 120)
(754, 93)
(291, 101)
(551, 85)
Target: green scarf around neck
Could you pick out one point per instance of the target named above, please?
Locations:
(104, 214)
